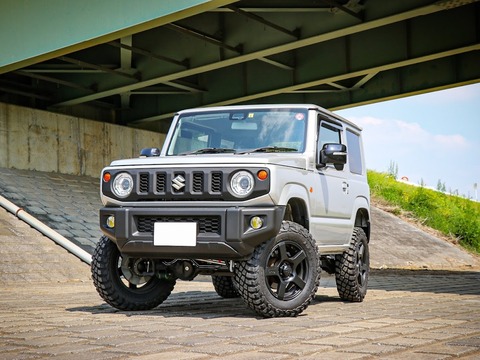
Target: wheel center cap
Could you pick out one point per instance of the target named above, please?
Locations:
(286, 269)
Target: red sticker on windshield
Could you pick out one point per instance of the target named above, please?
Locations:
(299, 116)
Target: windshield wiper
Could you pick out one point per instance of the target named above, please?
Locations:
(209, 151)
(269, 149)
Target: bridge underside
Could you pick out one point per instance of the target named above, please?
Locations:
(335, 53)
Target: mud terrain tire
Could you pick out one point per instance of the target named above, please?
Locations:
(224, 286)
(353, 267)
(113, 286)
(282, 275)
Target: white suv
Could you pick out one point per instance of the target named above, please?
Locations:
(260, 197)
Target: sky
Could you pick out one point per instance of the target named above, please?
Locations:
(430, 137)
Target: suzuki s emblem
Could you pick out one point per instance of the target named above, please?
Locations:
(178, 182)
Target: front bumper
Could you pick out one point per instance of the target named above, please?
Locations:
(222, 233)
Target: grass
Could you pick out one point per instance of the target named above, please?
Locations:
(453, 216)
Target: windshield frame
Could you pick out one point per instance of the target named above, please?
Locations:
(234, 128)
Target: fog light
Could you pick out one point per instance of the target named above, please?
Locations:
(111, 222)
(256, 222)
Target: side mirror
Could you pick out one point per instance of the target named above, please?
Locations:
(149, 152)
(335, 154)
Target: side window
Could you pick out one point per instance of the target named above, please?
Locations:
(354, 153)
(328, 135)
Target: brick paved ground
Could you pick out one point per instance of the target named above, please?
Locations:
(50, 309)
(404, 316)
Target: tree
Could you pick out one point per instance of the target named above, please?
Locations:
(393, 169)
(441, 186)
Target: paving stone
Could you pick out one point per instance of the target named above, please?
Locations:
(469, 341)
(336, 355)
(70, 349)
(176, 355)
(249, 355)
(373, 349)
(413, 355)
(445, 349)
(222, 349)
(405, 341)
(335, 341)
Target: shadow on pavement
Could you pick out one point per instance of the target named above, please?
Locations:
(430, 281)
(207, 304)
(203, 305)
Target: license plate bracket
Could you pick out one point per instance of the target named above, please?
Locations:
(175, 234)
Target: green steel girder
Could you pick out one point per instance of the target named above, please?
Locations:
(337, 54)
(32, 31)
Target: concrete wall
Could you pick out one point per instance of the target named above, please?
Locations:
(39, 140)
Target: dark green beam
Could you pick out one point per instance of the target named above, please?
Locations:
(32, 31)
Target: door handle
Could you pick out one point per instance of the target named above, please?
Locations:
(345, 187)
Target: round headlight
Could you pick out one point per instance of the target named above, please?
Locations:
(122, 186)
(242, 183)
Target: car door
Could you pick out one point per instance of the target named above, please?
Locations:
(331, 210)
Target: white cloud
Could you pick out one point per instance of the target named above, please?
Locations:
(448, 96)
(421, 155)
(401, 134)
(431, 137)
(451, 141)
(367, 121)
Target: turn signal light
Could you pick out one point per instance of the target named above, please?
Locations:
(106, 177)
(262, 175)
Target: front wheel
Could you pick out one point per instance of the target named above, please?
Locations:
(127, 283)
(353, 267)
(282, 275)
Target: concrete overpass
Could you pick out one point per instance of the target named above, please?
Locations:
(136, 63)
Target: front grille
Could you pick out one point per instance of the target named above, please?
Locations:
(187, 184)
(180, 185)
(161, 182)
(217, 182)
(144, 183)
(197, 185)
(205, 224)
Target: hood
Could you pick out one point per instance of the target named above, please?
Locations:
(208, 160)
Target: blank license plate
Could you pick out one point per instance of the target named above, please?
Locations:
(175, 234)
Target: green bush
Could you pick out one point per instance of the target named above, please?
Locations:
(451, 215)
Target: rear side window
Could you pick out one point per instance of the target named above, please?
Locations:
(354, 153)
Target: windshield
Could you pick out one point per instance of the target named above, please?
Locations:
(239, 131)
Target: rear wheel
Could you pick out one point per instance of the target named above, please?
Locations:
(127, 283)
(224, 286)
(352, 268)
(282, 275)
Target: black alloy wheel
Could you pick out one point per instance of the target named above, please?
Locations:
(282, 275)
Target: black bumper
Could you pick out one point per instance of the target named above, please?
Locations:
(222, 233)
